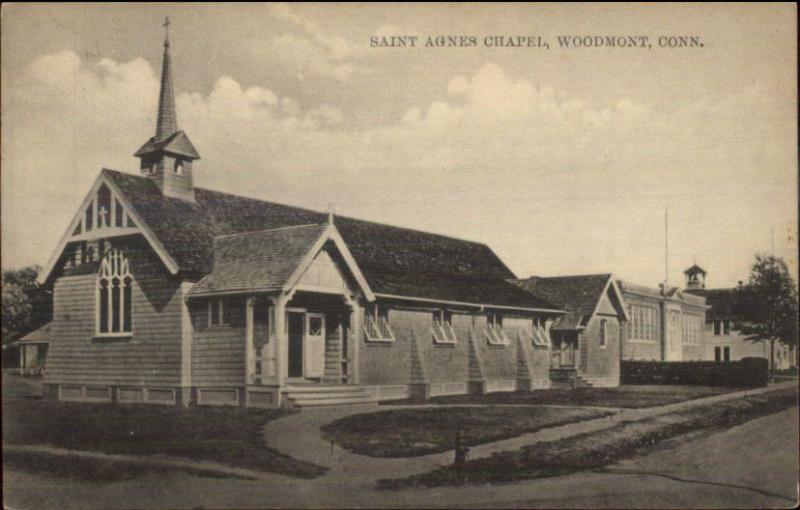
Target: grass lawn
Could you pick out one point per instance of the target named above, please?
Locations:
(228, 435)
(622, 396)
(598, 449)
(416, 431)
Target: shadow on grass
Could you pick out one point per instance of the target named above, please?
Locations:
(413, 432)
(231, 436)
(93, 470)
(599, 449)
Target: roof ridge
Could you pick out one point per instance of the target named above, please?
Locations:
(606, 275)
(338, 217)
(290, 227)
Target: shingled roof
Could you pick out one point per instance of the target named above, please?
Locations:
(578, 295)
(176, 143)
(263, 260)
(394, 260)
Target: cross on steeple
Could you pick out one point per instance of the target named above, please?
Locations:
(166, 30)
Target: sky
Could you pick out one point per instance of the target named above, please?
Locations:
(564, 161)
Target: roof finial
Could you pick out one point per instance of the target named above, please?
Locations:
(331, 208)
(167, 121)
(166, 30)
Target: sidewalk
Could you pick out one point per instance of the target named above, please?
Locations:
(299, 436)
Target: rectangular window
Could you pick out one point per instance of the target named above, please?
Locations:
(215, 311)
(717, 354)
(87, 220)
(376, 325)
(119, 214)
(603, 332)
(717, 328)
(643, 325)
(495, 333)
(443, 327)
(727, 353)
(726, 327)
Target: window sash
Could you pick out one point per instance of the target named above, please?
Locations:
(376, 326)
(495, 333)
(442, 329)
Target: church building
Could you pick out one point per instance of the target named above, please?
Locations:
(168, 293)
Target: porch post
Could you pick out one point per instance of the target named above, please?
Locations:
(355, 334)
(250, 351)
(281, 339)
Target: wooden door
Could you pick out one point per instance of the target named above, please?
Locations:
(295, 324)
(314, 359)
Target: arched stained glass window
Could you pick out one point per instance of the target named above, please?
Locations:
(114, 282)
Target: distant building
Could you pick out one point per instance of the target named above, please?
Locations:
(666, 324)
(586, 341)
(33, 349)
(722, 341)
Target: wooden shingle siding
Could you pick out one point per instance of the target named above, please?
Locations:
(445, 362)
(218, 357)
(388, 362)
(150, 356)
(333, 348)
(498, 361)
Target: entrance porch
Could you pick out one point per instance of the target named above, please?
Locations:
(301, 348)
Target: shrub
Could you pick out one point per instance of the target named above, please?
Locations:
(748, 372)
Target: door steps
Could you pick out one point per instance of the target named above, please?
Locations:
(312, 395)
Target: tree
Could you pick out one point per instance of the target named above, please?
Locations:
(26, 304)
(766, 306)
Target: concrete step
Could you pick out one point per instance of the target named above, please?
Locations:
(333, 401)
(324, 395)
(324, 389)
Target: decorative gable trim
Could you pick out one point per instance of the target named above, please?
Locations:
(611, 283)
(78, 225)
(331, 233)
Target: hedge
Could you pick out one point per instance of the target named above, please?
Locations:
(748, 372)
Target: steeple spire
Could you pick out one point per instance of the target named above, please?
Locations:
(167, 122)
(167, 157)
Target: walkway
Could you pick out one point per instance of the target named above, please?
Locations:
(298, 435)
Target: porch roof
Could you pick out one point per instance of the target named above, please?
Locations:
(262, 261)
(37, 336)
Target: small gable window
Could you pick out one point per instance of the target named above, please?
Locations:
(495, 333)
(114, 295)
(443, 327)
(178, 167)
(376, 325)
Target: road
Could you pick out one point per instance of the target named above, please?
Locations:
(754, 465)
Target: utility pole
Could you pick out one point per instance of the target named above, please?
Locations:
(666, 247)
(772, 240)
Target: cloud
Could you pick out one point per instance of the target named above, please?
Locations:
(493, 156)
(309, 50)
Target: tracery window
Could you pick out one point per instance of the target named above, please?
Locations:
(114, 295)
